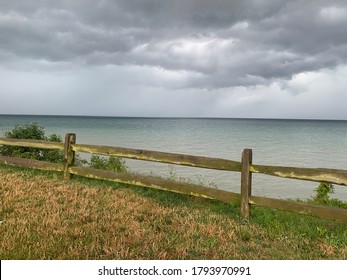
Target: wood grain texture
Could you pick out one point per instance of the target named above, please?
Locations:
(31, 163)
(246, 182)
(331, 213)
(156, 183)
(180, 159)
(32, 143)
(334, 176)
(69, 154)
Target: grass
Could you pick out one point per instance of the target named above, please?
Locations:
(44, 217)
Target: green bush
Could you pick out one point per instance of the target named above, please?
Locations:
(322, 197)
(111, 164)
(32, 131)
(322, 193)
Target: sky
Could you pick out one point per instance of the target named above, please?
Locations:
(182, 58)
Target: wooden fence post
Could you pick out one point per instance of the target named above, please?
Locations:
(69, 154)
(246, 182)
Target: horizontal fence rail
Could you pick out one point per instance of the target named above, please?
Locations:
(326, 212)
(31, 163)
(334, 176)
(245, 167)
(156, 183)
(41, 144)
(179, 159)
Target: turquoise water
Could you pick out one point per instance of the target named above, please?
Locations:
(300, 143)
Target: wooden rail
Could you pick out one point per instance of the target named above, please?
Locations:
(180, 159)
(156, 183)
(334, 176)
(41, 144)
(245, 167)
(31, 163)
(326, 212)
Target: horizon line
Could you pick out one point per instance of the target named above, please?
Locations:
(172, 117)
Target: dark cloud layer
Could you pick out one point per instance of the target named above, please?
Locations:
(221, 58)
(221, 43)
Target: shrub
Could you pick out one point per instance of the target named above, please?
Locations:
(111, 164)
(322, 193)
(32, 131)
(322, 196)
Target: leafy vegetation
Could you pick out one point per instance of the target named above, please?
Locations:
(322, 196)
(32, 131)
(111, 164)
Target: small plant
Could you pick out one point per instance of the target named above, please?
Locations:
(111, 164)
(322, 193)
(173, 176)
(322, 197)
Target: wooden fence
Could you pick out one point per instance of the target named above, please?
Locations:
(246, 168)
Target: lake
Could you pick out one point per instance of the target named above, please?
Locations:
(299, 143)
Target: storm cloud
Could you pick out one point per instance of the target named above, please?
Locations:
(209, 58)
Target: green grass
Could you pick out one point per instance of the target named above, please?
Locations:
(44, 217)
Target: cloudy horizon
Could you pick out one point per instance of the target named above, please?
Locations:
(191, 58)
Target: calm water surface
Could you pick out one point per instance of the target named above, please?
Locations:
(300, 143)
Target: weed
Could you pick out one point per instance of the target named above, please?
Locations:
(322, 196)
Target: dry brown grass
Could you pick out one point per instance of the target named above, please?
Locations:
(45, 218)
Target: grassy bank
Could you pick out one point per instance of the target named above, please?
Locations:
(43, 217)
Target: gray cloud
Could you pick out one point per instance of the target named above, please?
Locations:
(201, 49)
(229, 43)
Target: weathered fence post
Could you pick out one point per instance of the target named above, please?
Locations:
(69, 154)
(246, 182)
